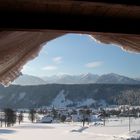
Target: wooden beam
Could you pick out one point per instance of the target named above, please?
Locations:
(43, 19)
(124, 2)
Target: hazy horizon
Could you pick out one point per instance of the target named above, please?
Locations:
(77, 75)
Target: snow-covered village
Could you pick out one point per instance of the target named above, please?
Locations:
(105, 123)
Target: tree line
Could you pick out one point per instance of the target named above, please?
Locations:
(8, 117)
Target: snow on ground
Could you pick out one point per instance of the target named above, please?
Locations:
(60, 100)
(115, 129)
(87, 102)
(21, 95)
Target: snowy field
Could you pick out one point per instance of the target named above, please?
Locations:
(115, 129)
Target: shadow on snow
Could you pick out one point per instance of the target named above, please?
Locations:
(79, 130)
(6, 131)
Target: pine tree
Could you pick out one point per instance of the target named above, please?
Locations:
(10, 117)
(32, 115)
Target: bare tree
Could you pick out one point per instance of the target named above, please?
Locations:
(20, 117)
(85, 115)
(2, 116)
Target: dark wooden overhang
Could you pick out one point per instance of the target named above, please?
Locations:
(105, 16)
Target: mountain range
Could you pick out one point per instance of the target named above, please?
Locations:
(70, 90)
(88, 78)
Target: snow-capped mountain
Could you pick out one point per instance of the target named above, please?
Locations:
(28, 80)
(76, 79)
(88, 78)
(113, 78)
(62, 79)
(138, 79)
(72, 79)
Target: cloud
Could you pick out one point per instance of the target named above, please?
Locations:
(57, 60)
(49, 67)
(94, 64)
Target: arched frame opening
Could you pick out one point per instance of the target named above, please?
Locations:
(18, 47)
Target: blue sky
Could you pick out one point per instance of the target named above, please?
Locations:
(78, 54)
